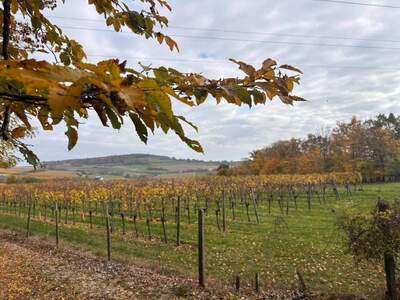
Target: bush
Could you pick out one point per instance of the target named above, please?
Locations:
(376, 237)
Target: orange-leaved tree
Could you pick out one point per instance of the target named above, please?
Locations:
(67, 89)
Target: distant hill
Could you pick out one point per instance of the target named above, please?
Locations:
(133, 166)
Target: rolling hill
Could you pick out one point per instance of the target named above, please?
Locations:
(133, 166)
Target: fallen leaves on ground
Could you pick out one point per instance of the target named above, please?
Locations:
(34, 269)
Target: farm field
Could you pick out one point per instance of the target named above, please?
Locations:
(133, 166)
(29, 172)
(285, 240)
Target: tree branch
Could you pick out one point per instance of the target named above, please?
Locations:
(6, 27)
(6, 39)
(36, 100)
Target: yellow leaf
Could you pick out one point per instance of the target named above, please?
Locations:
(72, 137)
(248, 69)
(288, 67)
(59, 100)
(160, 37)
(268, 64)
(171, 43)
(132, 96)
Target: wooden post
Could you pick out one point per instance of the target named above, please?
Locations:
(280, 200)
(389, 259)
(201, 250)
(148, 227)
(335, 190)
(237, 283)
(390, 270)
(164, 229)
(257, 282)
(287, 206)
(223, 212)
(217, 219)
(56, 218)
(233, 204)
(247, 204)
(123, 223)
(270, 198)
(19, 207)
(108, 234)
(28, 223)
(348, 190)
(178, 222)
(111, 218)
(255, 207)
(135, 225)
(90, 219)
(66, 213)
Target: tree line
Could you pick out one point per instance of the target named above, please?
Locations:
(370, 147)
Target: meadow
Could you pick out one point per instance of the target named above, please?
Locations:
(274, 238)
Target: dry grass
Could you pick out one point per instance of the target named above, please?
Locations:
(52, 174)
(29, 172)
(15, 171)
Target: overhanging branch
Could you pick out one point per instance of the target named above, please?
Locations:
(6, 39)
(28, 99)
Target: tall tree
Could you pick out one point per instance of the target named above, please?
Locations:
(356, 146)
(390, 122)
(65, 91)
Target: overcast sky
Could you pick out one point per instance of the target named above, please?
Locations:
(350, 55)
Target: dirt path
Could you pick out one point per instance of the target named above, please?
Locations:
(33, 269)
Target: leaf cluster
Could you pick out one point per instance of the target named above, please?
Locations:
(67, 90)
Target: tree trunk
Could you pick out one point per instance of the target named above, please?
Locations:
(6, 39)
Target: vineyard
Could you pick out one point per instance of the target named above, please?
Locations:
(259, 232)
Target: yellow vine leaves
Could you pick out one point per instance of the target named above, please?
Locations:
(67, 90)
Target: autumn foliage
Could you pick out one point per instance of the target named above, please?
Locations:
(65, 87)
(371, 148)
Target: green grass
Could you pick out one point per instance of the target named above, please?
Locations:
(310, 242)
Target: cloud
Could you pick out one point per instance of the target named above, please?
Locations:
(339, 81)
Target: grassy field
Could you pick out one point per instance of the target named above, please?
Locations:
(134, 165)
(304, 239)
(29, 172)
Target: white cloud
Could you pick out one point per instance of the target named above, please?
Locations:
(227, 132)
